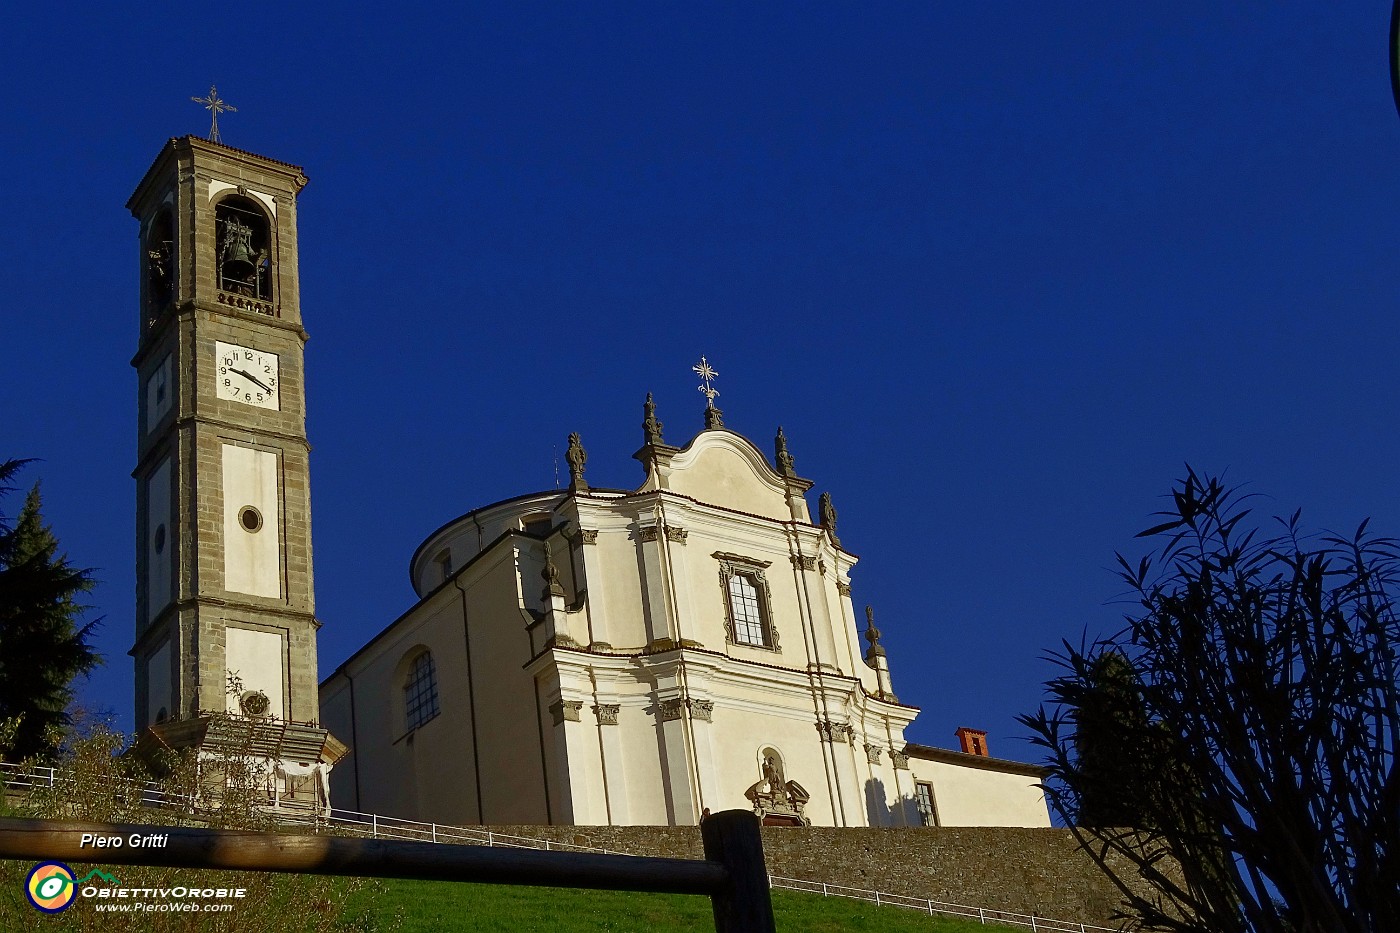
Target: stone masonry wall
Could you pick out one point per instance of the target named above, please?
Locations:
(1031, 871)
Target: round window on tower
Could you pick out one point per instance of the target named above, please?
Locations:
(159, 542)
(254, 702)
(250, 518)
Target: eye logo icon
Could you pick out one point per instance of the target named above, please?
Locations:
(50, 887)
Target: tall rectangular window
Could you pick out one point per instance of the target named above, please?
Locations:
(923, 799)
(420, 691)
(748, 617)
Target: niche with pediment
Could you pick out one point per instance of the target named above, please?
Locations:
(776, 800)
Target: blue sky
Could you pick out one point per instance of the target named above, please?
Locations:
(998, 269)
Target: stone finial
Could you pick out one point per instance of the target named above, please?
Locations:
(577, 458)
(714, 418)
(550, 574)
(827, 511)
(651, 428)
(781, 455)
(872, 635)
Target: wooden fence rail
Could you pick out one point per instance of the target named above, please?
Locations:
(732, 874)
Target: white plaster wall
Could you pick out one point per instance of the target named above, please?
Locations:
(969, 796)
(160, 392)
(252, 559)
(715, 470)
(258, 658)
(158, 563)
(337, 715)
(158, 684)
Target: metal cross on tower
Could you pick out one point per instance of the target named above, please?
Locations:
(215, 106)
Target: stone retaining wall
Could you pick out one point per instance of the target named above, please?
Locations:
(1031, 871)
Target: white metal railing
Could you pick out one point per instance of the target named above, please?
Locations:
(371, 824)
(389, 827)
(983, 914)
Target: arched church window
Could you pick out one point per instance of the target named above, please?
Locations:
(420, 691)
(243, 248)
(538, 524)
(160, 264)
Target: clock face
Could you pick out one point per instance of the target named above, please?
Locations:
(245, 375)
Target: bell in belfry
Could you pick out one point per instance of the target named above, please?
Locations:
(236, 252)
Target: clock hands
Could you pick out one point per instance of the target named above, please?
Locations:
(250, 377)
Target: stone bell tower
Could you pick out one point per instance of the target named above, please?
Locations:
(225, 612)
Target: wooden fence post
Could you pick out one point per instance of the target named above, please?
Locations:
(745, 905)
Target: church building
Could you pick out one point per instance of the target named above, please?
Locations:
(640, 656)
(585, 655)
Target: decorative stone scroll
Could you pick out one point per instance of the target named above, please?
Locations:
(677, 707)
(901, 760)
(585, 536)
(843, 588)
(607, 713)
(648, 533)
(568, 710)
(676, 534)
(803, 562)
(872, 753)
(834, 731)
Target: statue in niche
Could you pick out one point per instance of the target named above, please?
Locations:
(777, 801)
(772, 775)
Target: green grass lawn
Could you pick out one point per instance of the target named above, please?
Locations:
(477, 908)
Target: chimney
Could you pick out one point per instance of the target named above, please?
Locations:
(974, 741)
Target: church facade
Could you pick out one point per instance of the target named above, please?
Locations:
(640, 656)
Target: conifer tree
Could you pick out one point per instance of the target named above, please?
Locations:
(42, 645)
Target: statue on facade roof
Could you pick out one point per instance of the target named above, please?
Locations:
(577, 458)
(651, 428)
(827, 512)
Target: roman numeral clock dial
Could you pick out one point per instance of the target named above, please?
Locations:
(242, 374)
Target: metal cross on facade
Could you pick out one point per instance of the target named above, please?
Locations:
(706, 374)
(215, 106)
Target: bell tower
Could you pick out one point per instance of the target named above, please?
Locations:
(225, 612)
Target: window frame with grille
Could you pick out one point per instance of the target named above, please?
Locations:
(923, 794)
(420, 697)
(749, 616)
